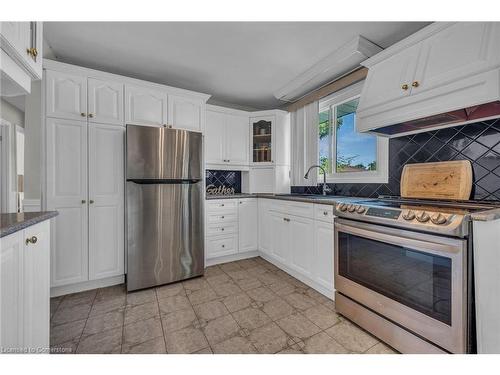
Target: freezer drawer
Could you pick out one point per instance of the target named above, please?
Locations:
(164, 233)
(163, 154)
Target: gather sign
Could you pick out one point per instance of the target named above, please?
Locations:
(219, 190)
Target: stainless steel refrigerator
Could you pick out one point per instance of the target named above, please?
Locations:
(164, 207)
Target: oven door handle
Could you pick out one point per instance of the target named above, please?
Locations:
(428, 243)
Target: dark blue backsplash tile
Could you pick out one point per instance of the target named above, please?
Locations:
(227, 179)
(479, 143)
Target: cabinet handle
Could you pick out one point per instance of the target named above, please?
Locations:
(91, 115)
(404, 87)
(286, 219)
(415, 84)
(325, 213)
(84, 201)
(223, 246)
(91, 201)
(32, 240)
(83, 114)
(222, 205)
(222, 229)
(222, 217)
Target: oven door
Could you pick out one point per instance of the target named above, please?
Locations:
(417, 281)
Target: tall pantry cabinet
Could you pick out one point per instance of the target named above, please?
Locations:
(84, 176)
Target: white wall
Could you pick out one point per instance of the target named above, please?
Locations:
(11, 114)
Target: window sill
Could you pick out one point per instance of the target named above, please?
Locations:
(355, 179)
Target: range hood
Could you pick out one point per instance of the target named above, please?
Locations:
(461, 116)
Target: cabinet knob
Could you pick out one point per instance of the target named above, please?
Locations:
(91, 115)
(222, 217)
(91, 201)
(405, 87)
(84, 201)
(32, 240)
(222, 229)
(83, 114)
(415, 84)
(223, 246)
(325, 213)
(222, 205)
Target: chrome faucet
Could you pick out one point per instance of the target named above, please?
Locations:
(326, 188)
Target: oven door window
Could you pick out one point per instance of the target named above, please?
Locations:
(419, 280)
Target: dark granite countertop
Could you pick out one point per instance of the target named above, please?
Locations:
(11, 223)
(306, 198)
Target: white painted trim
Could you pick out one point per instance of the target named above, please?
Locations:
(319, 288)
(227, 110)
(231, 258)
(228, 167)
(92, 73)
(32, 205)
(87, 285)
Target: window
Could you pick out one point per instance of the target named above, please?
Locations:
(348, 156)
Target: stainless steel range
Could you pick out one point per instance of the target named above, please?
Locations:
(403, 271)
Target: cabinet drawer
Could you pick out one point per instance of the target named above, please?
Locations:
(222, 217)
(294, 208)
(221, 246)
(218, 229)
(222, 205)
(323, 212)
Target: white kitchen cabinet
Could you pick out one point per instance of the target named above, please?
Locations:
(441, 68)
(215, 138)
(301, 248)
(186, 113)
(24, 288)
(280, 229)
(221, 236)
(21, 56)
(226, 139)
(145, 106)
(105, 102)
(247, 223)
(36, 285)
(269, 179)
(323, 264)
(65, 96)
(11, 290)
(67, 182)
(264, 225)
(106, 201)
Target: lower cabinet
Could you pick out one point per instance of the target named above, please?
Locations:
(231, 227)
(300, 238)
(25, 288)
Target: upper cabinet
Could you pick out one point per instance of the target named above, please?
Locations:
(145, 106)
(21, 56)
(270, 132)
(186, 113)
(226, 139)
(66, 96)
(262, 139)
(444, 67)
(105, 102)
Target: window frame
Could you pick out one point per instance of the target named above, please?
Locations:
(381, 175)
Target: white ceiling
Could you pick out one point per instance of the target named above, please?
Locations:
(240, 64)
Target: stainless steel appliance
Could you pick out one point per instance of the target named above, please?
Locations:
(403, 271)
(164, 220)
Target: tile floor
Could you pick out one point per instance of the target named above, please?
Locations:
(248, 306)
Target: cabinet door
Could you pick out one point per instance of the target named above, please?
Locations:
(37, 286)
(145, 106)
(262, 129)
(105, 102)
(185, 113)
(264, 224)
(247, 221)
(323, 254)
(385, 80)
(237, 139)
(67, 193)
(458, 51)
(215, 138)
(262, 180)
(301, 245)
(280, 231)
(11, 291)
(17, 35)
(106, 201)
(66, 96)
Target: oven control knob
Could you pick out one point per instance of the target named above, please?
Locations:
(438, 219)
(351, 208)
(342, 207)
(423, 217)
(360, 209)
(409, 215)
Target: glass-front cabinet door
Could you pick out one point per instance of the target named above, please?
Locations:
(262, 139)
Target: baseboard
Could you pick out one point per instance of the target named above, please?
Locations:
(231, 258)
(32, 205)
(86, 285)
(306, 280)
